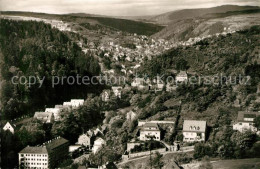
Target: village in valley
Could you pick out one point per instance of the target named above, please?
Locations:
(149, 120)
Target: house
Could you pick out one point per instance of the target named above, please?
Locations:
(245, 121)
(55, 111)
(74, 103)
(150, 131)
(9, 126)
(84, 139)
(194, 131)
(77, 102)
(182, 77)
(45, 117)
(44, 156)
(105, 95)
(98, 143)
(130, 115)
(117, 91)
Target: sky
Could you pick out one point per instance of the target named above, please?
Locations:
(114, 7)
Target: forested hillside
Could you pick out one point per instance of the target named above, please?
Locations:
(31, 48)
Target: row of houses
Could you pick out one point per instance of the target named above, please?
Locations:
(54, 114)
(49, 115)
(157, 84)
(195, 130)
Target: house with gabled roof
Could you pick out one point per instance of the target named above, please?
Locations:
(10, 127)
(245, 121)
(150, 131)
(194, 131)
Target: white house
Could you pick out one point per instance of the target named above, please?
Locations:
(74, 103)
(245, 121)
(182, 77)
(77, 102)
(45, 117)
(117, 91)
(84, 139)
(55, 111)
(9, 126)
(150, 130)
(98, 143)
(194, 131)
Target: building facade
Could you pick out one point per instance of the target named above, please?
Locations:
(44, 156)
(194, 131)
(245, 121)
(150, 131)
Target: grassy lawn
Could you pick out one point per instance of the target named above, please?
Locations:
(253, 163)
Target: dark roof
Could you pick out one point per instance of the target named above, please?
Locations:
(150, 127)
(46, 147)
(35, 150)
(246, 114)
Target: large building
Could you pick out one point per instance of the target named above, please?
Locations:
(245, 121)
(44, 156)
(194, 131)
(150, 131)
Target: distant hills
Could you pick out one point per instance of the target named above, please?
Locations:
(169, 17)
(117, 24)
(190, 23)
(174, 26)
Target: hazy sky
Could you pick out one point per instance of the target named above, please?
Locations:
(114, 7)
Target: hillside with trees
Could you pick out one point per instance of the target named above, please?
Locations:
(30, 48)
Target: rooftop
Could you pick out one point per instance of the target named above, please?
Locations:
(194, 126)
(46, 147)
(246, 114)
